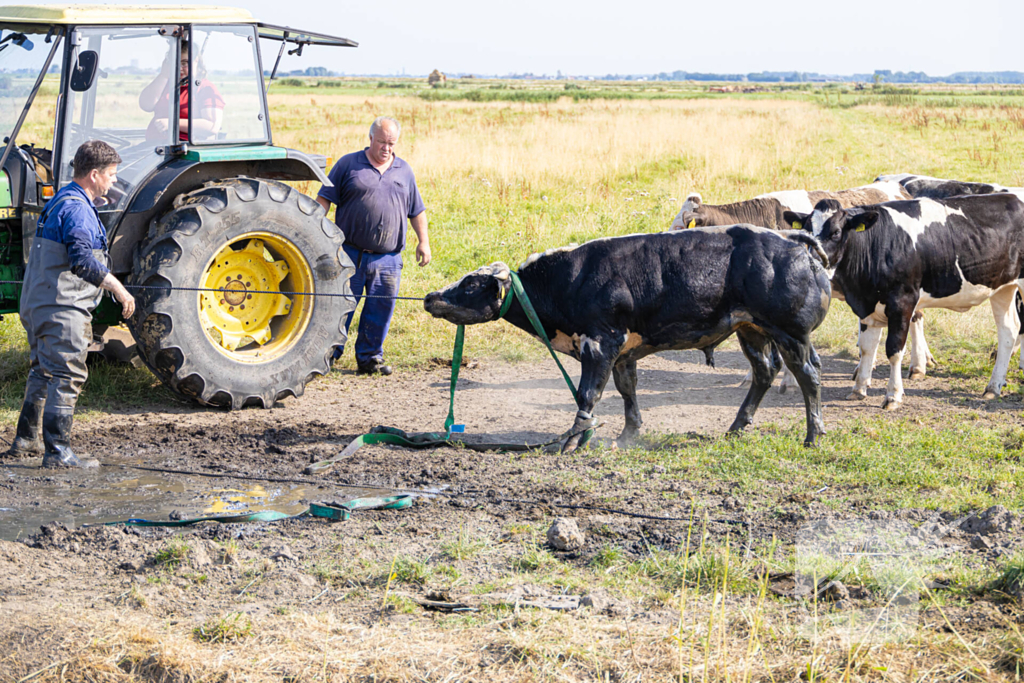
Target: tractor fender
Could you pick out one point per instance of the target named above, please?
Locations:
(156, 195)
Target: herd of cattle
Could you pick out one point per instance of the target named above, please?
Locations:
(766, 269)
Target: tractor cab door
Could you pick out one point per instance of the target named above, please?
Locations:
(26, 52)
(131, 104)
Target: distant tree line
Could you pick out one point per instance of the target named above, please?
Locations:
(879, 76)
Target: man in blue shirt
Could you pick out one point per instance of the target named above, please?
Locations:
(376, 193)
(66, 273)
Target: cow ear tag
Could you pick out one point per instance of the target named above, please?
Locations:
(859, 228)
(693, 223)
(797, 225)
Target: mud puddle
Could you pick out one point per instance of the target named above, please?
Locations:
(31, 497)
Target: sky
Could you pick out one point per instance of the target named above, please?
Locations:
(938, 37)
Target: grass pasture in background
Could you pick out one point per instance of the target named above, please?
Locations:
(540, 165)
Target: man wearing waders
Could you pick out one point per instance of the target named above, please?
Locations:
(66, 273)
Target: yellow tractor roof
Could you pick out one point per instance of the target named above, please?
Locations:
(84, 15)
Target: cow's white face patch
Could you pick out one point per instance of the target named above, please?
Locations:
(931, 212)
(794, 200)
(818, 221)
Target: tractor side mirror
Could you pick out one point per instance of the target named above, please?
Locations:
(84, 72)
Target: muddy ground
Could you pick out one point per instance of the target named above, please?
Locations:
(315, 566)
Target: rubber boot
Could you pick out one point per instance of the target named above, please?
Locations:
(57, 439)
(28, 439)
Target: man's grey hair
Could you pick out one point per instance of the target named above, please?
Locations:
(379, 122)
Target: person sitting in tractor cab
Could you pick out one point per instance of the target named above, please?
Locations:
(208, 114)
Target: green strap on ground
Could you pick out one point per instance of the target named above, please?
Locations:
(397, 437)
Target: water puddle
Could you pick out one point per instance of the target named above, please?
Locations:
(31, 497)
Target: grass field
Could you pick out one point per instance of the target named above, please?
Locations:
(503, 179)
(519, 168)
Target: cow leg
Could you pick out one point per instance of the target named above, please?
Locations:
(624, 374)
(597, 355)
(861, 328)
(920, 356)
(804, 362)
(895, 342)
(1004, 310)
(758, 350)
(868, 340)
(1020, 316)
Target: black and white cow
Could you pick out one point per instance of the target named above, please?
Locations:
(926, 187)
(893, 259)
(614, 300)
(768, 211)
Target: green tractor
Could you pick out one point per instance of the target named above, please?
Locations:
(241, 282)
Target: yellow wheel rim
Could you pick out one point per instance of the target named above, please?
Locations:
(243, 323)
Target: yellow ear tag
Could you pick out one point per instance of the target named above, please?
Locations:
(859, 228)
(797, 225)
(693, 223)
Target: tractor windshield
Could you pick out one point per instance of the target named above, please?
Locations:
(22, 57)
(130, 104)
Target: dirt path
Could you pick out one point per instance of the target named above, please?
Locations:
(310, 574)
(526, 402)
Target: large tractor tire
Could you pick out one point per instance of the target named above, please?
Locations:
(241, 347)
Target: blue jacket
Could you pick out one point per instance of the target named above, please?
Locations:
(71, 219)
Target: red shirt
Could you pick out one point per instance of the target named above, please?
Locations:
(206, 95)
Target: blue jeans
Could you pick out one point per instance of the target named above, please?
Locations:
(378, 275)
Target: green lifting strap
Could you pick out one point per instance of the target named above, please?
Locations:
(397, 437)
(531, 314)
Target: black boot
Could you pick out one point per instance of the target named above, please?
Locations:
(28, 437)
(57, 437)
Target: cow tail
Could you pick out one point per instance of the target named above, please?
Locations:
(808, 241)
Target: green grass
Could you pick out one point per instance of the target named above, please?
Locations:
(228, 628)
(884, 462)
(478, 215)
(174, 553)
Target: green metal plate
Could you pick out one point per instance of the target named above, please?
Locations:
(208, 154)
(5, 190)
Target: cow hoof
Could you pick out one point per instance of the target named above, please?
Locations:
(891, 404)
(624, 440)
(916, 374)
(989, 395)
(857, 396)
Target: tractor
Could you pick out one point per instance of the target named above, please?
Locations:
(241, 282)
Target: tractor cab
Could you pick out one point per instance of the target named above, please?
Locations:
(127, 76)
(180, 93)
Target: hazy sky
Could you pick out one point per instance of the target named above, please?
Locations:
(649, 36)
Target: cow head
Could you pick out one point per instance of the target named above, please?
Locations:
(831, 225)
(476, 298)
(689, 216)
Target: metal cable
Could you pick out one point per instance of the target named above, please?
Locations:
(252, 291)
